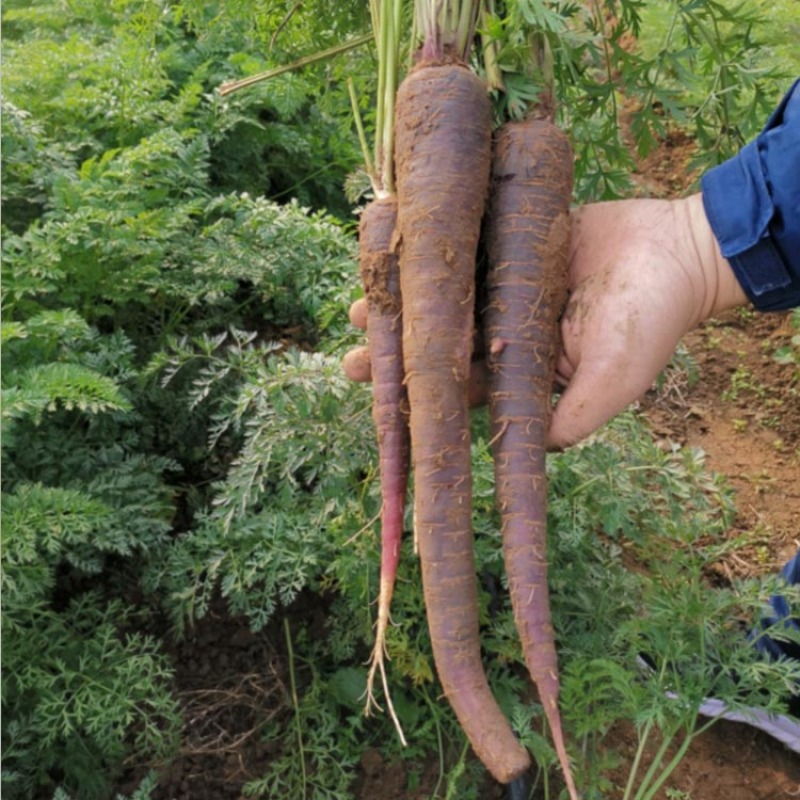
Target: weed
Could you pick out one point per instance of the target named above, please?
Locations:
(789, 354)
(678, 377)
(744, 382)
(677, 794)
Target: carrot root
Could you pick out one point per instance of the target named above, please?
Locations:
(379, 657)
(443, 156)
(527, 244)
(380, 276)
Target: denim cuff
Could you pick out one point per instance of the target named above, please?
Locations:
(752, 203)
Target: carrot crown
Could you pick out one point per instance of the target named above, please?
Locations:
(387, 18)
(447, 27)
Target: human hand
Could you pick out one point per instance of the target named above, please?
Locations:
(357, 367)
(642, 273)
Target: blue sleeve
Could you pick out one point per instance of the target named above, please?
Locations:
(782, 617)
(753, 205)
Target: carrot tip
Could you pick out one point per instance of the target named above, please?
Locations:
(378, 654)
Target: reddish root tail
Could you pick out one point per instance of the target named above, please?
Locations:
(379, 657)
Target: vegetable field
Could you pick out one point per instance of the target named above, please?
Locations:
(195, 587)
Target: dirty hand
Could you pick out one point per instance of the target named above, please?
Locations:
(642, 273)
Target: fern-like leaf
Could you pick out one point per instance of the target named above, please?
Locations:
(47, 387)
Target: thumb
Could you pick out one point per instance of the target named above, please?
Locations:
(597, 392)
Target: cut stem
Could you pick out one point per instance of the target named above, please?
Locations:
(296, 706)
(362, 138)
(447, 25)
(234, 86)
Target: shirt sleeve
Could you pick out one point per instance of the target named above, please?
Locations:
(752, 203)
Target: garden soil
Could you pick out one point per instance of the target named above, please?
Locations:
(741, 408)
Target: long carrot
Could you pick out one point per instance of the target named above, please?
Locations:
(527, 245)
(381, 278)
(443, 152)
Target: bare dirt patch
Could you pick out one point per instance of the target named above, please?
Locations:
(743, 410)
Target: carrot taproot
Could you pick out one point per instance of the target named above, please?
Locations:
(381, 279)
(527, 244)
(443, 123)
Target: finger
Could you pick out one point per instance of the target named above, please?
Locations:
(602, 386)
(478, 344)
(564, 370)
(573, 419)
(478, 384)
(358, 313)
(591, 399)
(357, 366)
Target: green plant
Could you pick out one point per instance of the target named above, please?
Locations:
(742, 380)
(677, 794)
(633, 531)
(697, 65)
(81, 686)
(710, 54)
(121, 230)
(313, 764)
(686, 629)
(679, 376)
(144, 791)
(790, 353)
(79, 692)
